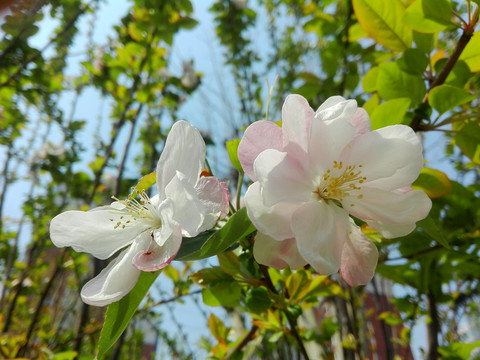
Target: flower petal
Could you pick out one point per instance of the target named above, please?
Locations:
(117, 279)
(184, 151)
(334, 109)
(327, 141)
(391, 157)
(95, 231)
(391, 231)
(189, 211)
(271, 220)
(359, 258)
(389, 207)
(282, 178)
(297, 117)
(321, 231)
(361, 122)
(259, 136)
(157, 257)
(214, 195)
(277, 254)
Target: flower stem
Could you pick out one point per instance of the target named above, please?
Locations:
(239, 189)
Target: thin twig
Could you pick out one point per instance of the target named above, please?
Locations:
(246, 339)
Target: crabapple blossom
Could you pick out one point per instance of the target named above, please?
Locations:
(149, 230)
(315, 171)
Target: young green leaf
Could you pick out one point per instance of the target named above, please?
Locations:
(446, 97)
(120, 313)
(391, 112)
(236, 228)
(434, 182)
(382, 20)
(394, 83)
(232, 147)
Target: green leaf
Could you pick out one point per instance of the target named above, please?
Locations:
(471, 53)
(119, 313)
(424, 42)
(394, 83)
(232, 148)
(382, 20)
(417, 16)
(446, 97)
(236, 228)
(66, 355)
(226, 294)
(433, 230)
(467, 139)
(459, 75)
(369, 81)
(458, 351)
(434, 182)
(413, 61)
(257, 299)
(391, 112)
(145, 183)
(372, 104)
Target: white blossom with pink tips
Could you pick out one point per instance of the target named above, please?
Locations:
(315, 171)
(148, 230)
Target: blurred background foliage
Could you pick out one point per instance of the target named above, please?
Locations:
(406, 62)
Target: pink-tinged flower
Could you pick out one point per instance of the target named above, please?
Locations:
(315, 171)
(149, 230)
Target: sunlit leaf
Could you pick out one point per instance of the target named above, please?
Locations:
(145, 183)
(382, 20)
(446, 97)
(391, 112)
(471, 53)
(428, 16)
(394, 83)
(232, 147)
(467, 138)
(434, 182)
(120, 313)
(369, 81)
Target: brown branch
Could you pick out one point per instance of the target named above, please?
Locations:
(246, 339)
(442, 76)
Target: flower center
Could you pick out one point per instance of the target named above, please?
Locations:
(132, 209)
(339, 182)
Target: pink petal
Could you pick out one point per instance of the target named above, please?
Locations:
(359, 258)
(361, 122)
(277, 254)
(259, 136)
(321, 231)
(282, 178)
(157, 257)
(333, 110)
(271, 220)
(214, 195)
(297, 116)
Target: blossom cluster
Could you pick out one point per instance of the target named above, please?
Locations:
(314, 178)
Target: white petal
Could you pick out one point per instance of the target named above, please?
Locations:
(189, 211)
(359, 258)
(327, 141)
(282, 178)
(277, 254)
(184, 151)
(321, 231)
(361, 122)
(94, 231)
(117, 279)
(297, 117)
(389, 207)
(391, 231)
(157, 257)
(259, 136)
(214, 195)
(331, 101)
(343, 110)
(271, 220)
(391, 157)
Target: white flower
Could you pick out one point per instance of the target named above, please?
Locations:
(318, 169)
(150, 229)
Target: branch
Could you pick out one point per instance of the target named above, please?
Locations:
(246, 339)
